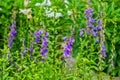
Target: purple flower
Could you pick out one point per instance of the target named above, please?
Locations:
(43, 51)
(91, 20)
(42, 60)
(81, 32)
(64, 38)
(88, 31)
(67, 47)
(97, 39)
(88, 12)
(44, 43)
(31, 49)
(71, 40)
(46, 33)
(10, 43)
(105, 55)
(44, 39)
(88, 23)
(11, 34)
(94, 33)
(98, 27)
(103, 50)
(37, 39)
(30, 56)
(12, 26)
(66, 53)
(37, 32)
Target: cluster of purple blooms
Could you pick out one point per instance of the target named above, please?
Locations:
(44, 44)
(96, 30)
(91, 28)
(11, 34)
(67, 45)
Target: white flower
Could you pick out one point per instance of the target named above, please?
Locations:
(25, 11)
(44, 3)
(50, 14)
(66, 3)
(48, 3)
(38, 4)
(58, 15)
(69, 12)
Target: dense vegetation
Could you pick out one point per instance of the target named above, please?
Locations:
(59, 39)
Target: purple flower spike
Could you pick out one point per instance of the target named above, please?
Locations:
(103, 50)
(31, 49)
(67, 47)
(11, 34)
(44, 45)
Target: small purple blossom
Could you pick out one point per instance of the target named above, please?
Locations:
(46, 33)
(97, 39)
(94, 33)
(30, 56)
(71, 40)
(44, 39)
(44, 43)
(64, 38)
(42, 60)
(88, 12)
(37, 39)
(31, 49)
(103, 50)
(37, 32)
(81, 32)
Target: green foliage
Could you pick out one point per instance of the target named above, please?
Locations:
(88, 62)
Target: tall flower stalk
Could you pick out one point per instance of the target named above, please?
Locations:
(44, 46)
(97, 31)
(67, 46)
(11, 34)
